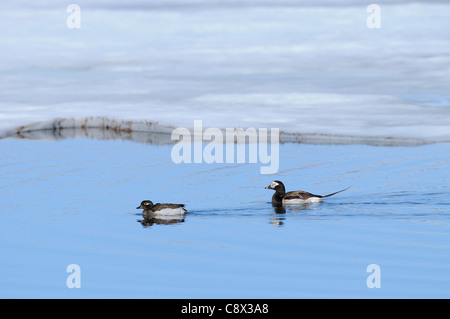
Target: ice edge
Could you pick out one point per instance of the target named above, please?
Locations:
(104, 128)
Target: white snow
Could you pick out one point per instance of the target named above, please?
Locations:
(309, 68)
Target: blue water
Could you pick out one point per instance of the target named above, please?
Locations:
(73, 202)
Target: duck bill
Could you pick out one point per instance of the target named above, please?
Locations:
(268, 187)
(139, 207)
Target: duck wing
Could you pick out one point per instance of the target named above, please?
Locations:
(299, 195)
(160, 206)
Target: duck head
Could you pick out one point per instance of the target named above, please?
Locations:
(277, 186)
(145, 204)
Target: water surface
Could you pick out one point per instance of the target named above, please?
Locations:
(73, 202)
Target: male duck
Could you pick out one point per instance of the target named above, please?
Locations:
(281, 198)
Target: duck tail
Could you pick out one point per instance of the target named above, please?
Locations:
(335, 192)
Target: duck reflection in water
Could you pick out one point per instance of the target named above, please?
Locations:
(280, 211)
(162, 221)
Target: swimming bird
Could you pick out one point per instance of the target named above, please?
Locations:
(157, 210)
(281, 198)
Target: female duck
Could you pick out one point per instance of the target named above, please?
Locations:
(281, 198)
(153, 210)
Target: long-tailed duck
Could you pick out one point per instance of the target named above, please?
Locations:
(281, 198)
(158, 210)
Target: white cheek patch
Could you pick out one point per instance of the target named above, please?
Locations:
(273, 184)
